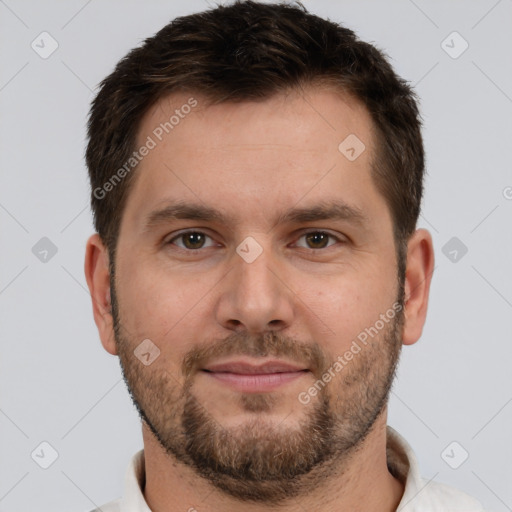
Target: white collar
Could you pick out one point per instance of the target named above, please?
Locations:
(420, 495)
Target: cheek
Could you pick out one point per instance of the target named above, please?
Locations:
(345, 306)
(161, 305)
(148, 306)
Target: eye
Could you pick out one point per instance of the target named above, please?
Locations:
(191, 240)
(318, 240)
(195, 240)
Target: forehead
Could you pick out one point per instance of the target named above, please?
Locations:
(324, 110)
(255, 157)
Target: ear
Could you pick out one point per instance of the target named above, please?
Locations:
(97, 276)
(418, 275)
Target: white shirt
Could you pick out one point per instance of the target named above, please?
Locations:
(419, 495)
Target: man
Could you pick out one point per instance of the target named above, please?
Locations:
(257, 175)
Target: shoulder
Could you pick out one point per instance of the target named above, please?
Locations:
(445, 497)
(420, 494)
(111, 506)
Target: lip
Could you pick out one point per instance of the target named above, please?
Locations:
(246, 367)
(250, 377)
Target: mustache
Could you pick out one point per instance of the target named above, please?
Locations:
(267, 344)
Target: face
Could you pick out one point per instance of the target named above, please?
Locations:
(257, 257)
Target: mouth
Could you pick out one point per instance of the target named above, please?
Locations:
(254, 376)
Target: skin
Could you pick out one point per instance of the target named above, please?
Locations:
(253, 161)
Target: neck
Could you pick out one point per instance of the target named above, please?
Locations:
(364, 483)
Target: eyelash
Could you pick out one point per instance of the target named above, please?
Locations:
(314, 231)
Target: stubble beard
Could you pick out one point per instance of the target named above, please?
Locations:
(258, 461)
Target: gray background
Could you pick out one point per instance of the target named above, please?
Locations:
(58, 385)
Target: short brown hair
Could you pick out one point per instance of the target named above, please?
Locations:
(249, 51)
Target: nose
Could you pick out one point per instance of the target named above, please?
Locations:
(255, 296)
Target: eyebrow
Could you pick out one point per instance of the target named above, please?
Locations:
(326, 210)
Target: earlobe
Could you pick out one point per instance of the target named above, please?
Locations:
(98, 280)
(418, 276)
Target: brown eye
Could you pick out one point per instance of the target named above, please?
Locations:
(191, 240)
(318, 240)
